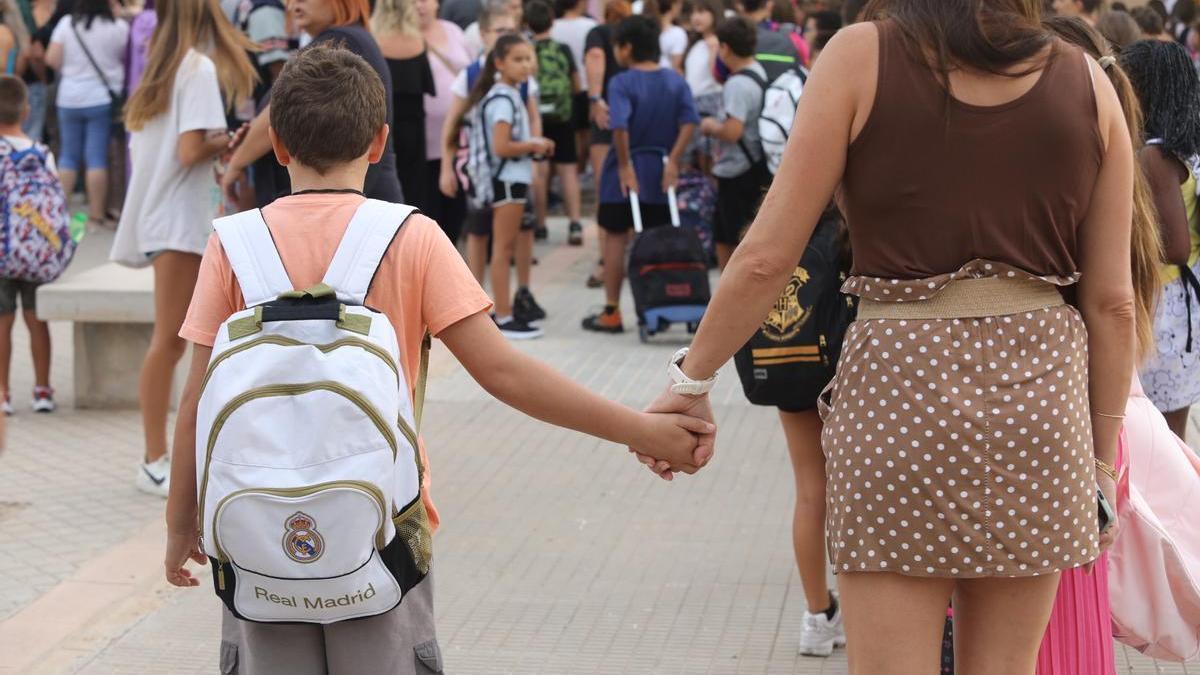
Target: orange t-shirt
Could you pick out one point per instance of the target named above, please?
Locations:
(422, 283)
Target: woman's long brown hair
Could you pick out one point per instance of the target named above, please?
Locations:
(1146, 245)
(984, 35)
(184, 25)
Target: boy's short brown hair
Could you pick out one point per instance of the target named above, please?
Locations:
(13, 99)
(326, 107)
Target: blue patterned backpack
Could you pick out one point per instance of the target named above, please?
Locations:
(35, 240)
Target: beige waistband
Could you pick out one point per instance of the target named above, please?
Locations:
(970, 298)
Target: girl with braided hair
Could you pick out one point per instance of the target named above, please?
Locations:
(1169, 93)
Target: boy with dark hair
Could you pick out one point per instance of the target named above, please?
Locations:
(14, 110)
(328, 123)
(741, 171)
(651, 112)
(558, 79)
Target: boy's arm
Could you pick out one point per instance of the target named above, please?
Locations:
(625, 172)
(539, 391)
(729, 131)
(182, 535)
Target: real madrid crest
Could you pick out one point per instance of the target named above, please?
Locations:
(301, 541)
(788, 316)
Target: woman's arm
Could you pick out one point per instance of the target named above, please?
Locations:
(1106, 298)
(198, 146)
(835, 104)
(1165, 174)
(539, 391)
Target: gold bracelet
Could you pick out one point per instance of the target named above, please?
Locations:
(1106, 468)
(1111, 417)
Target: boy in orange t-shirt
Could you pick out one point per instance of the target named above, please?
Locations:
(326, 131)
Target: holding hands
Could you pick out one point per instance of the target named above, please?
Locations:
(685, 404)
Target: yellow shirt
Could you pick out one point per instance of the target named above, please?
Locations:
(1171, 272)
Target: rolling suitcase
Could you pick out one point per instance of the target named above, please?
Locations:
(668, 273)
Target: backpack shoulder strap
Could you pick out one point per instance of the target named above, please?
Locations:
(758, 79)
(252, 254)
(366, 241)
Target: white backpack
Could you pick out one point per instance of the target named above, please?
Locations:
(308, 474)
(780, 99)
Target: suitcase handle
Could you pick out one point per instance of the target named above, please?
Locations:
(636, 205)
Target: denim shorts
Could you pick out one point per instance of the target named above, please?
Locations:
(84, 135)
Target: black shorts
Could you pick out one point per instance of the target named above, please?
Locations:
(580, 109)
(564, 141)
(619, 217)
(479, 221)
(11, 289)
(600, 136)
(737, 203)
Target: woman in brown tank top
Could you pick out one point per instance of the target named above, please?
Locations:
(983, 166)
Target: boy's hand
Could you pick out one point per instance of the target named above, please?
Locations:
(628, 178)
(670, 176)
(448, 182)
(181, 548)
(709, 126)
(672, 438)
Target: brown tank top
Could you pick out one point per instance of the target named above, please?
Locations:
(932, 183)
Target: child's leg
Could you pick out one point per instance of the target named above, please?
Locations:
(614, 266)
(39, 347)
(477, 255)
(506, 225)
(7, 319)
(568, 175)
(524, 258)
(174, 280)
(541, 192)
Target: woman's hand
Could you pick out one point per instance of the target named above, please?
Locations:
(180, 548)
(1109, 487)
(694, 406)
(672, 439)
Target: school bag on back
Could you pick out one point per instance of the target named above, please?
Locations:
(794, 354)
(480, 168)
(306, 440)
(36, 234)
(554, 80)
(781, 97)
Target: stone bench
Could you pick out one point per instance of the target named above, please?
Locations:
(112, 308)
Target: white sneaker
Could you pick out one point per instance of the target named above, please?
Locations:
(821, 635)
(7, 408)
(43, 400)
(154, 477)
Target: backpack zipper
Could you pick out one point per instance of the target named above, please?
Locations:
(284, 341)
(288, 390)
(361, 486)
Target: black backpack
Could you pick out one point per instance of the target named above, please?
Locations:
(794, 354)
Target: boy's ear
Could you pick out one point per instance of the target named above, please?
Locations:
(281, 153)
(378, 144)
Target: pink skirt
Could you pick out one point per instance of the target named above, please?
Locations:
(1079, 637)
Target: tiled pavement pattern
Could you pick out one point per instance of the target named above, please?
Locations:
(558, 553)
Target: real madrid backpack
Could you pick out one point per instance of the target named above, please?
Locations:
(306, 440)
(794, 354)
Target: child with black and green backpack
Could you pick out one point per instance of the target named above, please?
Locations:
(559, 82)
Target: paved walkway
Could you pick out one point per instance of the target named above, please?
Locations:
(558, 553)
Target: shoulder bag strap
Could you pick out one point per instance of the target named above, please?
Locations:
(252, 254)
(96, 67)
(366, 241)
(762, 84)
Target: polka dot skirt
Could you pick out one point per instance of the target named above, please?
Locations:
(961, 447)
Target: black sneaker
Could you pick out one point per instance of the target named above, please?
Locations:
(526, 308)
(575, 234)
(540, 233)
(514, 329)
